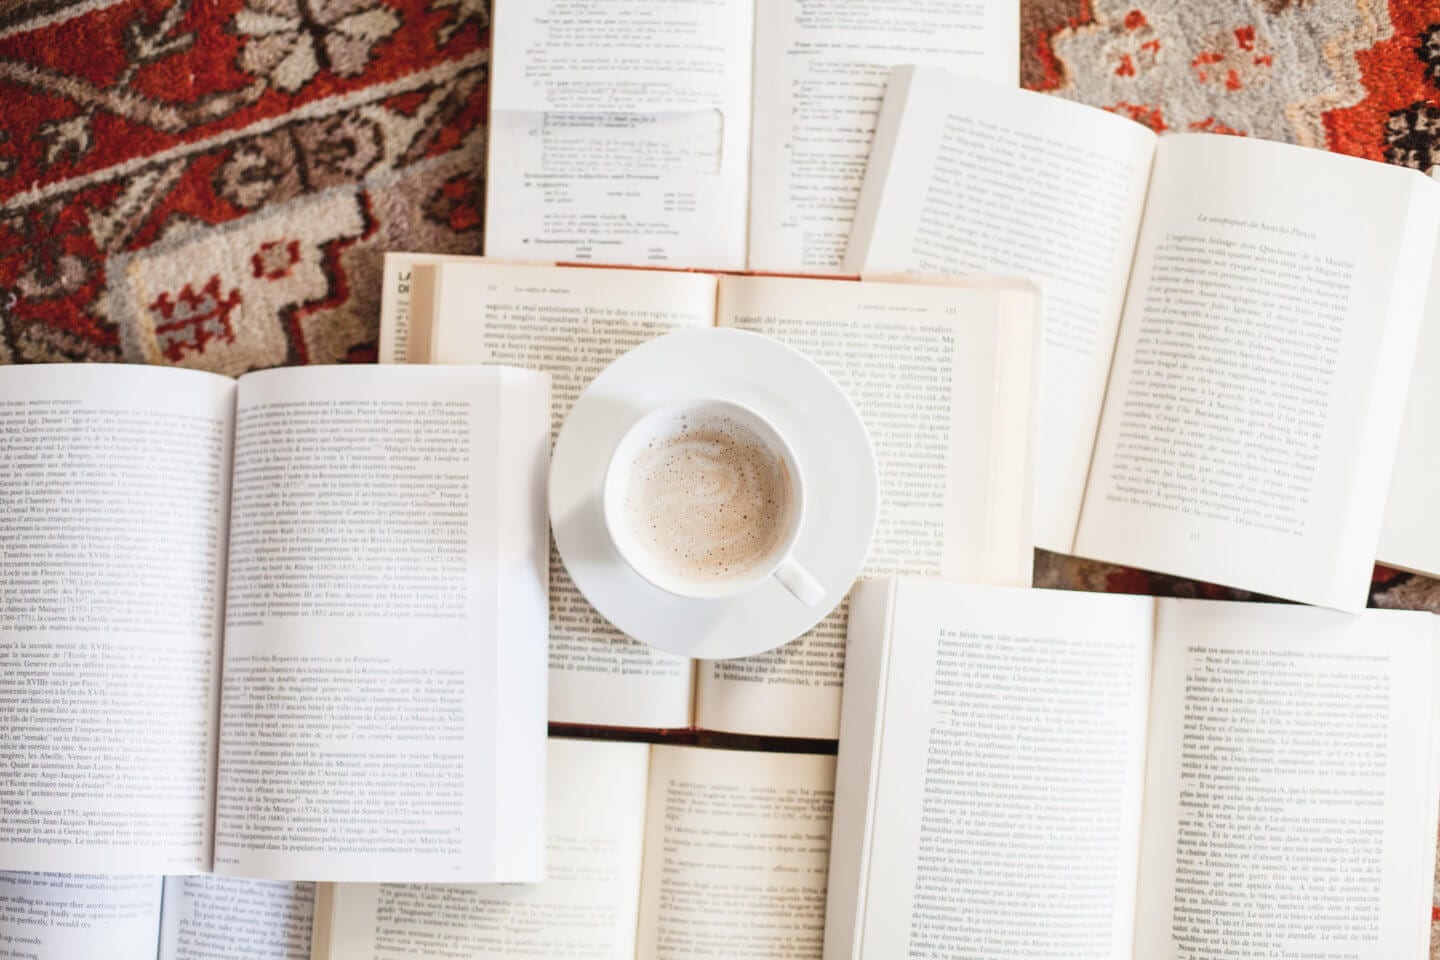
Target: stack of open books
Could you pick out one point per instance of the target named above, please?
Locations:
(275, 670)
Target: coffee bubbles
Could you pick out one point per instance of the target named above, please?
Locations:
(708, 499)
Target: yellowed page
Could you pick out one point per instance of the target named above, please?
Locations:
(407, 301)
(571, 322)
(736, 848)
(406, 292)
(944, 379)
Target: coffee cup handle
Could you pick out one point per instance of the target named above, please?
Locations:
(799, 582)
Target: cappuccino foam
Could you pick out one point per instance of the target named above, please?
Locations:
(708, 499)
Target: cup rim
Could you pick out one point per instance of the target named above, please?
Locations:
(611, 505)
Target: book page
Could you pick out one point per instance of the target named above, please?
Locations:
(1410, 531)
(571, 323)
(1250, 425)
(1292, 753)
(620, 132)
(407, 292)
(114, 482)
(974, 178)
(820, 72)
(585, 909)
(384, 648)
(943, 378)
(736, 848)
(71, 916)
(217, 918)
(989, 790)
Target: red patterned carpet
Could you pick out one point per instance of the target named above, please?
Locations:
(212, 183)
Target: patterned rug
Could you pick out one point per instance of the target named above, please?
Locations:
(211, 183)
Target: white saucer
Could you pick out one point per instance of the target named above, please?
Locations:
(793, 393)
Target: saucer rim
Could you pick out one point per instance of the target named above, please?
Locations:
(668, 615)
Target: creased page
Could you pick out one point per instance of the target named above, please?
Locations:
(620, 132)
(585, 909)
(384, 649)
(820, 72)
(943, 378)
(572, 322)
(217, 918)
(69, 916)
(974, 178)
(407, 303)
(1250, 425)
(114, 482)
(1002, 814)
(736, 853)
(1288, 809)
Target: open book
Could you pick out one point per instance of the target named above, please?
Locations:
(1229, 323)
(1410, 535)
(66, 916)
(941, 375)
(360, 554)
(643, 134)
(654, 851)
(1016, 764)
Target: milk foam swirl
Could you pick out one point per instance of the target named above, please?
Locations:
(708, 499)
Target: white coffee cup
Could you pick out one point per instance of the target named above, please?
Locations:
(778, 561)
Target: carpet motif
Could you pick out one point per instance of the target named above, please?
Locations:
(157, 152)
(211, 183)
